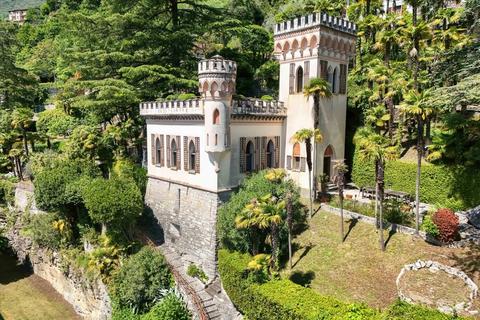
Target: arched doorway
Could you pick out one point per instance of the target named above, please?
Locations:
(270, 154)
(250, 157)
(174, 151)
(327, 162)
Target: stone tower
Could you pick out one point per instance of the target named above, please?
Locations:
(217, 86)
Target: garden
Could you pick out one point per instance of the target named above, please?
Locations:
(266, 220)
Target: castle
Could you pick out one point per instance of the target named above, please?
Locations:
(200, 150)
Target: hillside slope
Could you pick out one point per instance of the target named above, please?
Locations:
(7, 5)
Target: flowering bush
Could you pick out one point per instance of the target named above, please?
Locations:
(447, 223)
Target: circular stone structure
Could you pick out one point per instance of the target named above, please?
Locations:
(435, 267)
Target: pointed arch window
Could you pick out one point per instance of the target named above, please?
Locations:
(174, 152)
(270, 154)
(250, 157)
(296, 156)
(192, 156)
(158, 152)
(299, 81)
(216, 117)
(335, 80)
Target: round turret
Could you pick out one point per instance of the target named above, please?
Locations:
(216, 78)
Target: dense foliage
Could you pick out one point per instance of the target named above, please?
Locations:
(140, 280)
(444, 186)
(255, 186)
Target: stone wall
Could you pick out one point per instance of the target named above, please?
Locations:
(88, 297)
(188, 217)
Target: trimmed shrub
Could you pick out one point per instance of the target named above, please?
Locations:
(49, 230)
(280, 299)
(283, 299)
(139, 281)
(453, 187)
(447, 223)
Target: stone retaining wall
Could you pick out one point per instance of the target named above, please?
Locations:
(89, 298)
(188, 218)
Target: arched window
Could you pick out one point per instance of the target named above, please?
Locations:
(299, 79)
(174, 151)
(158, 151)
(335, 80)
(250, 157)
(330, 78)
(191, 156)
(296, 156)
(216, 139)
(327, 161)
(270, 154)
(216, 117)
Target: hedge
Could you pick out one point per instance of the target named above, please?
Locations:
(283, 299)
(453, 187)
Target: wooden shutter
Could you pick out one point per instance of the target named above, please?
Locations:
(292, 78)
(258, 152)
(169, 153)
(303, 162)
(177, 140)
(162, 151)
(323, 69)
(306, 73)
(277, 152)
(152, 149)
(197, 155)
(289, 162)
(343, 79)
(263, 156)
(186, 155)
(243, 163)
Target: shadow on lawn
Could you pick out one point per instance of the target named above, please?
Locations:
(469, 262)
(306, 250)
(353, 223)
(302, 278)
(390, 234)
(11, 270)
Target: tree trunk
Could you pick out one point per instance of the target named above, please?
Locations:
(419, 172)
(380, 187)
(289, 209)
(104, 229)
(376, 196)
(316, 111)
(308, 147)
(274, 246)
(25, 142)
(342, 232)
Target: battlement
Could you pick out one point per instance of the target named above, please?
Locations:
(194, 106)
(216, 64)
(258, 107)
(315, 19)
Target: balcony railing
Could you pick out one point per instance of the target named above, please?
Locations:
(258, 107)
(171, 107)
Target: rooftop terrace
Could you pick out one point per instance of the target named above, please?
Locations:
(249, 106)
(315, 19)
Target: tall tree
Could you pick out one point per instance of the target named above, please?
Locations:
(306, 136)
(340, 170)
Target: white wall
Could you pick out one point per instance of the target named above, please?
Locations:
(207, 178)
(249, 128)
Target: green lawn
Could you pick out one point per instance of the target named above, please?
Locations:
(357, 270)
(24, 296)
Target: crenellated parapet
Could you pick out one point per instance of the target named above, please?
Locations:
(317, 34)
(194, 107)
(251, 106)
(216, 77)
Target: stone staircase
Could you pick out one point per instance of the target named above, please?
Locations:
(207, 302)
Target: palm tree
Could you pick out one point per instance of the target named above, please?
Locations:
(249, 218)
(306, 136)
(318, 88)
(376, 147)
(414, 106)
(22, 120)
(341, 168)
(272, 211)
(289, 209)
